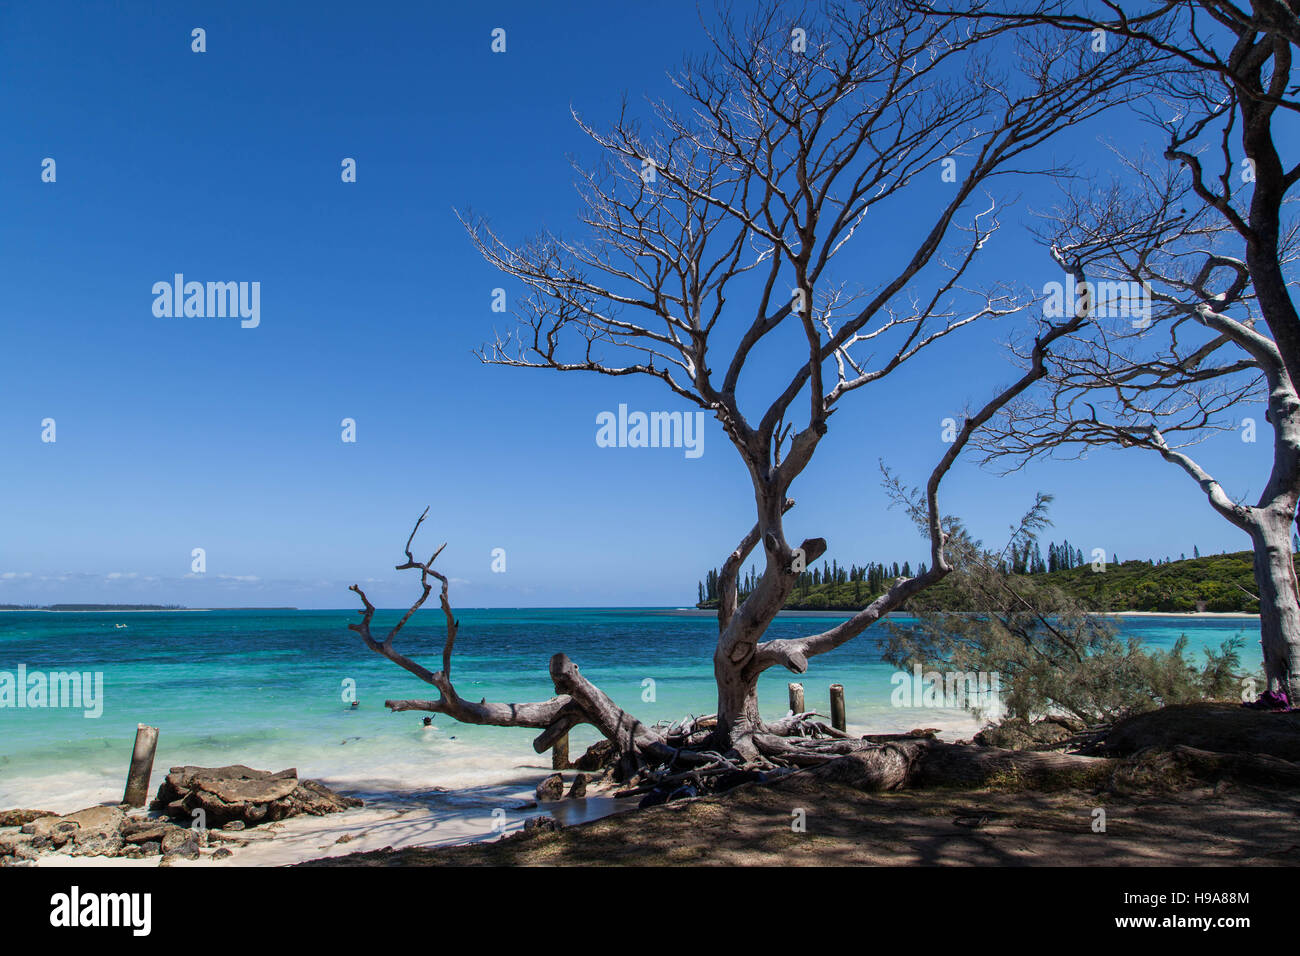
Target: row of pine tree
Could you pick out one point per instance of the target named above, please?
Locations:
(873, 578)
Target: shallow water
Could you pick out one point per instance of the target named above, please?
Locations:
(265, 688)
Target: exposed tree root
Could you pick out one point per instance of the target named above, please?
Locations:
(694, 756)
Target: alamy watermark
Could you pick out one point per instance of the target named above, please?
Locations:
(76, 909)
(653, 430)
(1126, 299)
(212, 300)
(82, 690)
(978, 690)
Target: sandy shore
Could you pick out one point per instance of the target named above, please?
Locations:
(398, 820)
(752, 826)
(426, 818)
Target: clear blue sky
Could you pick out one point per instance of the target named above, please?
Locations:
(181, 433)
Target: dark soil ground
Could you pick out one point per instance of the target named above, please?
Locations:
(752, 826)
(1153, 816)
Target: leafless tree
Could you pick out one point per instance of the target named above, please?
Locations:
(1228, 87)
(1216, 243)
(1174, 370)
(738, 215)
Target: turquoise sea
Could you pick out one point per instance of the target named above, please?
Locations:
(265, 688)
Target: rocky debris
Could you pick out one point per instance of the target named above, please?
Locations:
(231, 797)
(314, 798)
(221, 853)
(239, 794)
(177, 838)
(552, 788)
(94, 831)
(96, 843)
(183, 845)
(578, 789)
(141, 832)
(535, 825)
(153, 848)
(599, 756)
(16, 818)
(9, 842)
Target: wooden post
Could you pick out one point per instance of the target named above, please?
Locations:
(137, 778)
(796, 698)
(560, 754)
(837, 707)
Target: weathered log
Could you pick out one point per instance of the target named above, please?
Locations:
(796, 698)
(137, 778)
(577, 700)
(1224, 728)
(838, 720)
(1181, 766)
(923, 763)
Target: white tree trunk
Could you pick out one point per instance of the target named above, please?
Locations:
(1279, 600)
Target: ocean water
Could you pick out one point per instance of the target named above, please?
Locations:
(265, 688)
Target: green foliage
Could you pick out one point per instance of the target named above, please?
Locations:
(1053, 653)
(1222, 583)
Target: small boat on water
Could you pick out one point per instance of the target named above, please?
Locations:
(119, 625)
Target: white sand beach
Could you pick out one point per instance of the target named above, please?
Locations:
(424, 816)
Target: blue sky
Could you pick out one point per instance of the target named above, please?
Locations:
(174, 433)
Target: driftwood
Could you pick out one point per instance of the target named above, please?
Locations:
(1224, 728)
(921, 763)
(1181, 766)
(1166, 748)
(684, 756)
(647, 757)
(648, 292)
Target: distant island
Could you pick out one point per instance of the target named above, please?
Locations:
(1222, 583)
(130, 607)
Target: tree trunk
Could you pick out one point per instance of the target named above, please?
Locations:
(738, 718)
(1279, 602)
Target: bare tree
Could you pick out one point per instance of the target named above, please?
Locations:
(724, 228)
(1229, 86)
(1172, 353)
(1222, 113)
